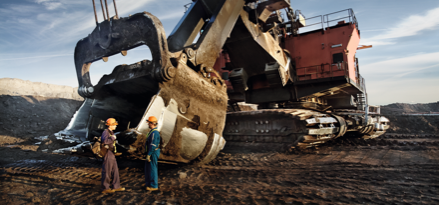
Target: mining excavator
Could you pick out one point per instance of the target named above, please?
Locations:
(305, 86)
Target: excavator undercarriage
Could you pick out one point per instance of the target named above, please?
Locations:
(286, 129)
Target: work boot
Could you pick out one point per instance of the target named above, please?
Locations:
(119, 189)
(107, 191)
(151, 189)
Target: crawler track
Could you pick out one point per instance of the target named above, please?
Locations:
(279, 129)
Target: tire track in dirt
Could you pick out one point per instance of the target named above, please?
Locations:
(328, 175)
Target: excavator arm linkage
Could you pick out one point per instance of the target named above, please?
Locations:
(178, 85)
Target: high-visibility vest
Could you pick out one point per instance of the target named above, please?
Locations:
(147, 136)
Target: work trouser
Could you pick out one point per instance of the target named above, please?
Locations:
(110, 171)
(151, 170)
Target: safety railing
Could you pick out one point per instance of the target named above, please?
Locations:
(328, 20)
(361, 83)
(328, 71)
(322, 71)
(332, 19)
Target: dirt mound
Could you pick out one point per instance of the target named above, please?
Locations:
(32, 109)
(402, 122)
(28, 116)
(400, 108)
(405, 124)
(18, 87)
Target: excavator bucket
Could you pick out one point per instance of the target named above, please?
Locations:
(190, 107)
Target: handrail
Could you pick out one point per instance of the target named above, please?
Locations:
(350, 16)
(321, 70)
(325, 20)
(321, 21)
(327, 71)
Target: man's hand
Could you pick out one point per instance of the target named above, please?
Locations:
(148, 158)
(114, 137)
(106, 146)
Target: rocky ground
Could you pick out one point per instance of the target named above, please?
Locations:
(394, 169)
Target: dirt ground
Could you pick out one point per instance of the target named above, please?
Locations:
(397, 169)
(393, 169)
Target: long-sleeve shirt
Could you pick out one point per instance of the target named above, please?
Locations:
(152, 141)
(108, 138)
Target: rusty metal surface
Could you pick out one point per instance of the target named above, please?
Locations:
(115, 9)
(218, 32)
(106, 9)
(274, 5)
(94, 9)
(103, 11)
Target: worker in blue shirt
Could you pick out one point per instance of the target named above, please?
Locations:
(152, 151)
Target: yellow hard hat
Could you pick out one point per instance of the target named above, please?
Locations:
(152, 119)
(111, 121)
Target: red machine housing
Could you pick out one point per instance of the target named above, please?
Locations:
(325, 53)
(324, 67)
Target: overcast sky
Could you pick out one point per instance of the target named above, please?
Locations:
(38, 38)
